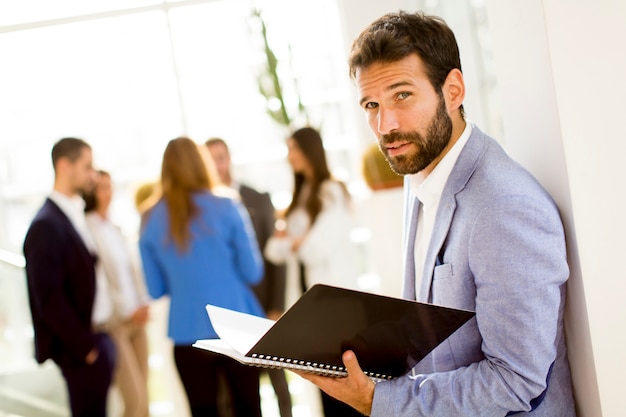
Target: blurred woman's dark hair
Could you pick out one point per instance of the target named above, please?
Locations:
(91, 203)
(310, 142)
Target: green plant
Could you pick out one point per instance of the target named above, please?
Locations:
(272, 87)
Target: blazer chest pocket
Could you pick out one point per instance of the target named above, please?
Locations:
(443, 271)
(449, 290)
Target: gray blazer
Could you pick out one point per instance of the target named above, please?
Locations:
(271, 289)
(497, 248)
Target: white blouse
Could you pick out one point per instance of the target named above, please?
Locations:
(327, 253)
(125, 282)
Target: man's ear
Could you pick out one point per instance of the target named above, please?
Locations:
(61, 164)
(454, 90)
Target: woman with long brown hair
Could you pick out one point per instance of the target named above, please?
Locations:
(199, 248)
(318, 219)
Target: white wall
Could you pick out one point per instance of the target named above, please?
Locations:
(381, 211)
(561, 68)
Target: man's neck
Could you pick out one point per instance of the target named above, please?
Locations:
(65, 190)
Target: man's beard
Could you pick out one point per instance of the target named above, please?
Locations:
(438, 136)
(89, 187)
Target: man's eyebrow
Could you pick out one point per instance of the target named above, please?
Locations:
(398, 84)
(389, 88)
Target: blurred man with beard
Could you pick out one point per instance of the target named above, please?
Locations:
(68, 310)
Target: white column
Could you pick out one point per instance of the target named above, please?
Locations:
(561, 68)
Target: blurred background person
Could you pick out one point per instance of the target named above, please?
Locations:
(318, 220)
(316, 238)
(271, 290)
(199, 248)
(129, 296)
(68, 305)
(145, 196)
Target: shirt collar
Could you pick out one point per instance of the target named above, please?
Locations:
(73, 207)
(429, 190)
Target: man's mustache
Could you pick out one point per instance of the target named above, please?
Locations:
(396, 137)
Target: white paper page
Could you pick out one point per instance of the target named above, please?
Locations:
(220, 346)
(240, 330)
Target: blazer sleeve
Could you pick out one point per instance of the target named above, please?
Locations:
(275, 278)
(518, 262)
(48, 279)
(154, 276)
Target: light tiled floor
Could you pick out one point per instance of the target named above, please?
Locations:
(30, 390)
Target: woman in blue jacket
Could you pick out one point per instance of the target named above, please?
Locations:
(199, 248)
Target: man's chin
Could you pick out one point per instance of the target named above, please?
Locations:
(400, 166)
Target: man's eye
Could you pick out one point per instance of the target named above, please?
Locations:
(403, 95)
(370, 105)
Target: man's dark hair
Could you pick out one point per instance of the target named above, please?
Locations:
(69, 148)
(395, 36)
(216, 141)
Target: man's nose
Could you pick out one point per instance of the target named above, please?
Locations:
(387, 121)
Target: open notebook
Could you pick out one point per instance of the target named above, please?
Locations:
(388, 335)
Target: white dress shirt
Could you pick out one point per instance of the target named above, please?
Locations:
(428, 190)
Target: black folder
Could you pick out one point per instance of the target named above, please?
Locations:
(388, 335)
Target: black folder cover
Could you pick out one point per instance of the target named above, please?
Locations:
(388, 335)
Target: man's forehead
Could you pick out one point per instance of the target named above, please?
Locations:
(86, 153)
(85, 157)
(218, 148)
(387, 74)
(377, 85)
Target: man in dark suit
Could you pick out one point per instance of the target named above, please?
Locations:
(271, 290)
(61, 277)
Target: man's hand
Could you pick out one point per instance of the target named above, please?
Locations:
(141, 315)
(297, 242)
(274, 314)
(92, 356)
(356, 390)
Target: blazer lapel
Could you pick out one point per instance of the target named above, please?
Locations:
(434, 255)
(460, 175)
(72, 230)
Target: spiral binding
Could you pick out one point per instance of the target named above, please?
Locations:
(268, 361)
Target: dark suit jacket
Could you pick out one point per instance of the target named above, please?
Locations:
(61, 288)
(271, 290)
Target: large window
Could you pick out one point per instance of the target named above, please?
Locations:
(128, 80)
(129, 75)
